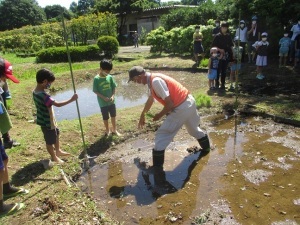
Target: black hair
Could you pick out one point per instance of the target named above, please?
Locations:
(224, 24)
(197, 27)
(44, 74)
(106, 64)
(2, 67)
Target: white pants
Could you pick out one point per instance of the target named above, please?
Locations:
(185, 114)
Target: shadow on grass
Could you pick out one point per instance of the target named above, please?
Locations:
(98, 147)
(27, 173)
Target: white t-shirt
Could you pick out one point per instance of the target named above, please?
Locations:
(160, 88)
(242, 34)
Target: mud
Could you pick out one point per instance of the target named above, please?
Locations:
(251, 177)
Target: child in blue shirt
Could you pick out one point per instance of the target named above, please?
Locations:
(213, 63)
(284, 46)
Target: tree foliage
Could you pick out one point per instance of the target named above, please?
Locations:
(85, 6)
(53, 12)
(18, 13)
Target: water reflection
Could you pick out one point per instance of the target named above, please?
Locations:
(126, 96)
(157, 181)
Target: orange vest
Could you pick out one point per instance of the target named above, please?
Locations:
(178, 93)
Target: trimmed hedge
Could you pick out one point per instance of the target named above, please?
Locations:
(108, 45)
(59, 54)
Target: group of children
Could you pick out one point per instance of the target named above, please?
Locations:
(261, 50)
(103, 86)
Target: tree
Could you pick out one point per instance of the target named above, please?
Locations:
(53, 12)
(74, 7)
(85, 6)
(18, 13)
(192, 2)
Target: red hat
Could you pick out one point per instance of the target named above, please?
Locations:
(8, 72)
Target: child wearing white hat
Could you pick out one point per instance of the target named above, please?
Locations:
(262, 52)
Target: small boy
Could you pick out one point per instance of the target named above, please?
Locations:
(104, 87)
(213, 63)
(6, 190)
(236, 64)
(198, 48)
(262, 51)
(45, 113)
(284, 45)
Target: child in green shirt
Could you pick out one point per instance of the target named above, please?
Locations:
(104, 87)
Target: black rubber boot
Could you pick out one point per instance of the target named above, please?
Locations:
(204, 143)
(158, 157)
(159, 175)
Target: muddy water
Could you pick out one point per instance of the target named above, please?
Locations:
(251, 177)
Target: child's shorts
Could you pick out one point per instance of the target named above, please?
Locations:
(3, 156)
(261, 60)
(297, 54)
(235, 66)
(108, 110)
(212, 75)
(50, 135)
(198, 48)
(283, 51)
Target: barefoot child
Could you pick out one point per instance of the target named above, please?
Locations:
(104, 87)
(45, 113)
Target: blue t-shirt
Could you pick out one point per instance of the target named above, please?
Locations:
(284, 43)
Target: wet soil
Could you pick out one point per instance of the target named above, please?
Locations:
(251, 177)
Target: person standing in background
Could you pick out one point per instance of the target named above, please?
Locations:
(253, 36)
(224, 43)
(217, 29)
(198, 48)
(295, 30)
(136, 39)
(284, 45)
(241, 33)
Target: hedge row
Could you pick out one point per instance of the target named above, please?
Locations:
(59, 54)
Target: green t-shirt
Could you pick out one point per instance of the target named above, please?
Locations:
(105, 86)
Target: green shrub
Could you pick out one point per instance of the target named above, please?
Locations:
(178, 40)
(59, 54)
(108, 45)
(157, 40)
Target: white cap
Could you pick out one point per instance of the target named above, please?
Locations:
(213, 49)
(264, 34)
(242, 21)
